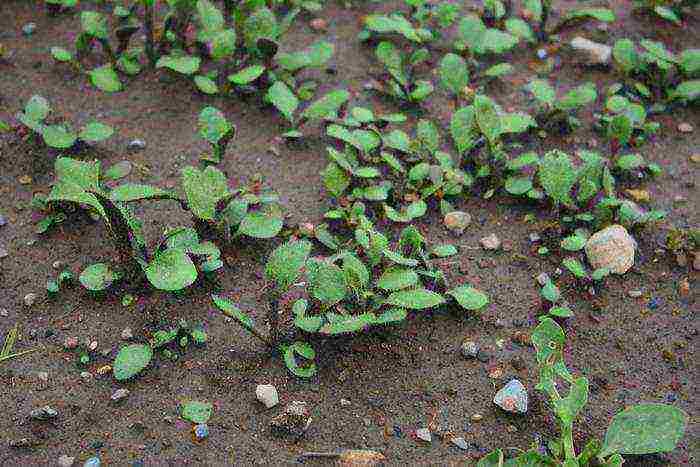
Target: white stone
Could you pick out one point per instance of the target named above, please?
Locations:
(591, 53)
(611, 248)
(267, 394)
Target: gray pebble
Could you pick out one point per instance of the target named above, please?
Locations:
(483, 356)
(3, 252)
(66, 461)
(543, 278)
(43, 413)
(28, 29)
(30, 299)
(136, 145)
(424, 435)
(470, 349)
(120, 394)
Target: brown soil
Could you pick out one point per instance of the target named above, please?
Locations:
(397, 380)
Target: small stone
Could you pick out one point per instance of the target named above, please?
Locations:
(120, 394)
(92, 346)
(57, 265)
(319, 24)
(43, 376)
(490, 242)
(43, 413)
(136, 145)
(30, 299)
(24, 180)
(201, 431)
(685, 127)
(477, 417)
(3, 252)
(634, 293)
(457, 221)
(512, 397)
(640, 196)
(423, 434)
(86, 376)
(267, 394)
(93, 462)
(293, 421)
(684, 287)
(3, 221)
(23, 443)
(483, 356)
(543, 278)
(591, 53)
(306, 229)
(695, 158)
(127, 334)
(460, 443)
(65, 461)
(70, 343)
(345, 403)
(542, 53)
(518, 363)
(470, 349)
(4, 313)
(611, 248)
(28, 29)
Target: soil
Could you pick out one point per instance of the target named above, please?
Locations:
(396, 380)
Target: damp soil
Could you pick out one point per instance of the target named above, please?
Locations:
(392, 381)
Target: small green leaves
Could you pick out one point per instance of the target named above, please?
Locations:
(131, 360)
(303, 350)
(415, 299)
(61, 55)
(94, 132)
(283, 99)
(463, 129)
(550, 292)
(557, 176)
(578, 97)
(543, 91)
(573, 243)
(213, 126)
(105, 79)
(58, 136)
(469, 298)
(644, 429)
(184, 64)
(204, 189)
(326, 281)
(223, 44)
(232, 311)
(327, 106)
(247, 75)
(518, 186)
(286, 262)
(206, 84)
(397, 279)
(94, 24)
(196, 411)
(128, 192)
(171, 270)
(260, 224)
(261, 24)
(454, 74)
(98, 277)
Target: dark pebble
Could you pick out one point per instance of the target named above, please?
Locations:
(654, 303)
(397, 431)
(483, 356)
(49, 332)
(97, 445)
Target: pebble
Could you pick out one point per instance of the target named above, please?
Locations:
(4, 313)
(70, 343)
(293, 421)
(267, 394)
(345, 403)
(3, 252)
(319, 24)
(491, 242)
(477, 417)
(24, 180)
(423, 434)
(28, 29)
(512, 397)
(457, 221)
(65, 461)
(201, 431)
(543, 278)
(542, 53)
(43, 376)
(685, 127)
(92, 346)
(591, 53)
(86, 376)
(3, 221)
(136, 145)
(460, 443)
(612, 248)
(483, 356)
(57, 265)
(120, 394)
(634, 293)
(93, 462)
(470, 349)
(127, 334)
(43, 413)
(30, 299)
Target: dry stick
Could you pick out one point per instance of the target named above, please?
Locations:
(148, 24)
(251, 330)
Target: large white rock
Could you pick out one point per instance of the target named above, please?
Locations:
(611, 248)
(267, 394)
(591, 53)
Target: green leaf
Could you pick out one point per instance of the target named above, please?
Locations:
(542, 91)
(687, 90)
(356, 273)
(454, 74)
(392, 315)
(128, 192)
(518, 186)
(644, 429)
(517, 122)
(561, 312)
(261, 24)
(247, 75)
(204, 189)
(567, 408)
(61, 55)
(492, 459)
(206, 84)
(471, 31)
(37, 108)
(231, 310)
(286, 262)
(499, 70)
(213, 125)
(605, 15)
(84, 175)
(575, 266)
(335, 179)
(578, 97)
(58, 136)
(117, 171)
(209, 15)
(550, 292)
(428, 135)
(394, 22)
(443, 251)
(303, 350)
(626, 56)
(95, 131)
(415, 299)
(629, 162)
(397, 279)
(98, 277)
(327, 106)
(463, 129)
(469, 298)
(131, 360)
(573, 243)
(557, 176)
(260, 224)
(667, 13)
(326, 281)
(497, 42)
(171, 270)
(196, 411)
(487, 118)
(520, 29)
(348, 324)
(185, 64)
(223, 44)
(95, 24)
(105, 79)
(690, 61)
(283, 99)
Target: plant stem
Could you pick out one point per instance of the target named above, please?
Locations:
(252, 331)
(148, 25)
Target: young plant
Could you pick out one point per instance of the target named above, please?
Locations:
(287, 103)
(638, 429)
(423, 25)
(538, 13)
(400, 81)
(54, 7)
(59, 136)
(217, 131)
(625, 123)
(670, 10)
(558, 114)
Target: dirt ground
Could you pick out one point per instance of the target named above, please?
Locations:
(395, 381)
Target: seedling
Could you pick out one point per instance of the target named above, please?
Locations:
(638, 429)
(666, 9)
(64, 278)
(287, 103)
(558, 114)
(217, 131)
(59, 136)
(423, 26)
(400, 81)
(54, 7)
(625, 123)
